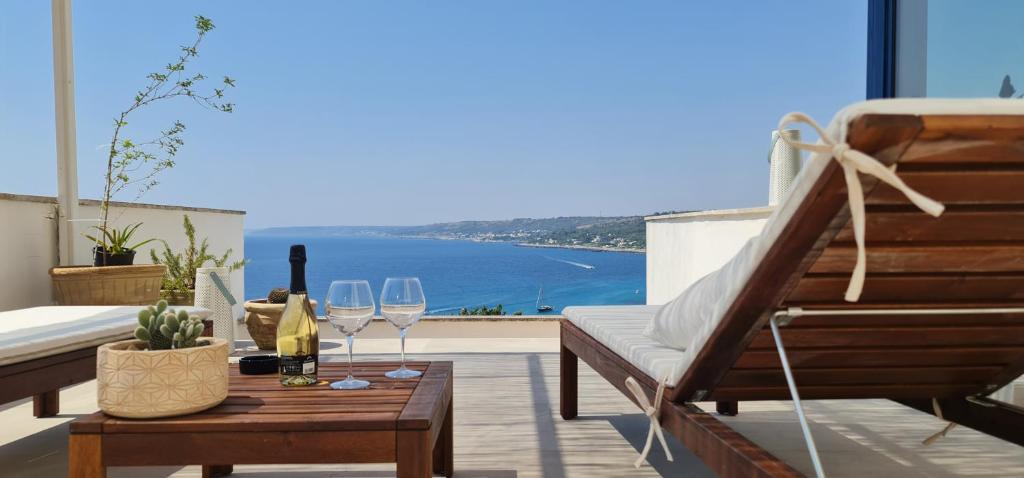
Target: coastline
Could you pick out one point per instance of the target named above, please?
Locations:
(440, 237)
(582, 248)
(524, 244)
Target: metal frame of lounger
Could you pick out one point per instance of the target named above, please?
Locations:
(783, 318)
(970, 260)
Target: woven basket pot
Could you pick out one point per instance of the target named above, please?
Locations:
(110, 285)
(261, 320)
(136, 383)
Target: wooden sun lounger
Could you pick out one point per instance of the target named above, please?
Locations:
(42, 379)
(970, 257)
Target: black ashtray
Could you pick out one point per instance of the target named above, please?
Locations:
(258, 364)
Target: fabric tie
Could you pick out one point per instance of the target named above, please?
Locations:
(652, 413)
(852, 162)
(942, 433)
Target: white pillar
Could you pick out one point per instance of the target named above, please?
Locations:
(67, 150)
(784, 164)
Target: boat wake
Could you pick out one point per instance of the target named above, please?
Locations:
(571, 263)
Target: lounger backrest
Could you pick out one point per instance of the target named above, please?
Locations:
(971, 256)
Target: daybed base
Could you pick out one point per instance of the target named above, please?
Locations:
(42, 379)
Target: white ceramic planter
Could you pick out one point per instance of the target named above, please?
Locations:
(160, 383)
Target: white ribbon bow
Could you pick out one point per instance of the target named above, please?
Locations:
(652, 412)
(854, 161)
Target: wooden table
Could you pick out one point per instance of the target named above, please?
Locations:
(408, 422)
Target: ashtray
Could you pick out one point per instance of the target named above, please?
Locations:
(258, 365)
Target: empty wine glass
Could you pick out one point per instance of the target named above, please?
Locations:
(349, 307)
(402, 304)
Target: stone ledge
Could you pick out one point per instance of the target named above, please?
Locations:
(760, 211)
(94, 202)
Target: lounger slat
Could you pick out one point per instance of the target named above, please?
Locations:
(957, 187)
(884, 357)
(889, 289)
(955, 225)
(856, 391)
(990, 127)
(892, 337)
(939, 320)
(919, 258)
(862, 375)
(955, 150)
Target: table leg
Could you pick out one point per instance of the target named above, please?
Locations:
(414, 454)
(214, 471)
(568, 379)
(46, 404)
(444, 447)
(85, 456)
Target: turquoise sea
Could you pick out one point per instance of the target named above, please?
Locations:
(454, 274)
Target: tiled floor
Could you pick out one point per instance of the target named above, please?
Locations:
(507, 425)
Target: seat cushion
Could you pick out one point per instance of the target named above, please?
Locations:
(620, 328)
(27, 334)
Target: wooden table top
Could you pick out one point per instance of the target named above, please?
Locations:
(259, 403)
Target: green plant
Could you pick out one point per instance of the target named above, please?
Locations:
(148, 158)
(277, 295)
(164, 329)
(484, 310)
(116, 241)
(181, 266)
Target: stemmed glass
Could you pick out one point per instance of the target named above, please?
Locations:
(402, 304)
(349, 307)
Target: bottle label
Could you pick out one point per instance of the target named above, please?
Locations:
(298, 365)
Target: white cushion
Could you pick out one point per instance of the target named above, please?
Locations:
(619, 327)
(27, 334)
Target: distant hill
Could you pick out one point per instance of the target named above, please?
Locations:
(603, 233)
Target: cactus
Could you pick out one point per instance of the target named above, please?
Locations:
(164, 329)
(278, 295)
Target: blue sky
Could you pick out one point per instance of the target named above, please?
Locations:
(409, 112)
(976, 67)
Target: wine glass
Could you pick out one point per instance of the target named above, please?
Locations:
(402, 304)
(349, 308)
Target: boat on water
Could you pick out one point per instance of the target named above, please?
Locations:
(542, 307)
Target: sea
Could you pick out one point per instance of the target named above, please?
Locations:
(454, 273)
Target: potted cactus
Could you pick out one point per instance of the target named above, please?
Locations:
(169, 370)
(262, 316)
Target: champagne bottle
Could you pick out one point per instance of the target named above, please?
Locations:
(298, 336)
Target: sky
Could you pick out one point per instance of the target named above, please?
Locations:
(974, 68)
(413, 112)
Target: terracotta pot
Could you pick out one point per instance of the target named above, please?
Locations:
(261, 320)
(109, 285)
(137, 383)
(174, 297)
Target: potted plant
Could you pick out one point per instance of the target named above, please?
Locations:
(136, 164)
(168, 370)
(179, 284)
(262, 316)
(112, 246)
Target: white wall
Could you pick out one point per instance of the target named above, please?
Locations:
(28, 245)
(28, 248)
(682, 248)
